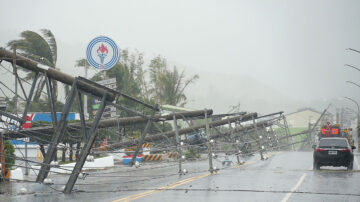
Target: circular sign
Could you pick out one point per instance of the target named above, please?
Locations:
(102, 53)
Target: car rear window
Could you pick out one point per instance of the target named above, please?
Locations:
(333, 143)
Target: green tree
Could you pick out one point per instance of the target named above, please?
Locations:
(82, 63)
(129, 74)
(41, 48)
(168, 86)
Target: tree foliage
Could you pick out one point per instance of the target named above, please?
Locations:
(156, 84)
(10, 155)
(168, 85)
(41, 48)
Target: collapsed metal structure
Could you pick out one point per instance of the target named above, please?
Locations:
(249, 127)
(79, 86)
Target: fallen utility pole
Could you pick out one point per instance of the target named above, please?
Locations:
(304, 132)
(156, 118)
(209, 144)
(160, 136)
(114, 122)
(260, 124)
(52, 73)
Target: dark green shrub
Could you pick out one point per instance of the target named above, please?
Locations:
(10, 156)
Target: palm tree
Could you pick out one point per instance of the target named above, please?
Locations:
(82, 63)
(41, 48)
(79, 63)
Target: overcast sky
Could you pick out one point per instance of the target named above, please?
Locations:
(293, 49)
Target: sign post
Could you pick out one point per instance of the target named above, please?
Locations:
(102, 53)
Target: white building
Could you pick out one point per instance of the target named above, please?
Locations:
(302, 118)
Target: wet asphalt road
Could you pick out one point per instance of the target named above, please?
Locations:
(285, 176)
(271, 180)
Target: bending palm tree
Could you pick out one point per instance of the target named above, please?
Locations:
(41, 48)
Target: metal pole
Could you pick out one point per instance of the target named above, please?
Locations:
(26, 157)
(266, 137)
(15, 73)
(287, 132)
(236, 146)
(353, 50)
(178, 143)
(82, 118)
(259, 141)
(207, 130)
(230, 128)
(59, 132)
(86, 149)
(142, 138)
(276, 141)
(85, 96)
(51, 100)
(309, 136)
(29, 98)
(2, 157)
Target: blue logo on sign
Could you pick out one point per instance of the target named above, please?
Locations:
(102, 53)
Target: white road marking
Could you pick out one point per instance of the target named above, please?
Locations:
(288, 195)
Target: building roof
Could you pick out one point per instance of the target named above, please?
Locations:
(304, 109)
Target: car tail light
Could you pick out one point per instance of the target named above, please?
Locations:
(319, 149)
(345, 150)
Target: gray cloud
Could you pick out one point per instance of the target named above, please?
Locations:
(296, 49)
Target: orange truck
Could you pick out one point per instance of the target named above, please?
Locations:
(329, 130)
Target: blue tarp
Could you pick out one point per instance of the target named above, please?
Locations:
(20, 142)
(126, 161)
(47, 117)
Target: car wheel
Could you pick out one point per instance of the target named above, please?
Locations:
(316, 166)
(350, 166)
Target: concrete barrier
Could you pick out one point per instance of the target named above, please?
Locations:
(16, 174)
(153, 157)
(173, 155)
(99, 163)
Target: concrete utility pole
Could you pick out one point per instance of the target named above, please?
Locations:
(115, 122)
(236, 146)
(211, 169)
(287, 132)
(58, 75)
(178, 145)
(259, 141)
